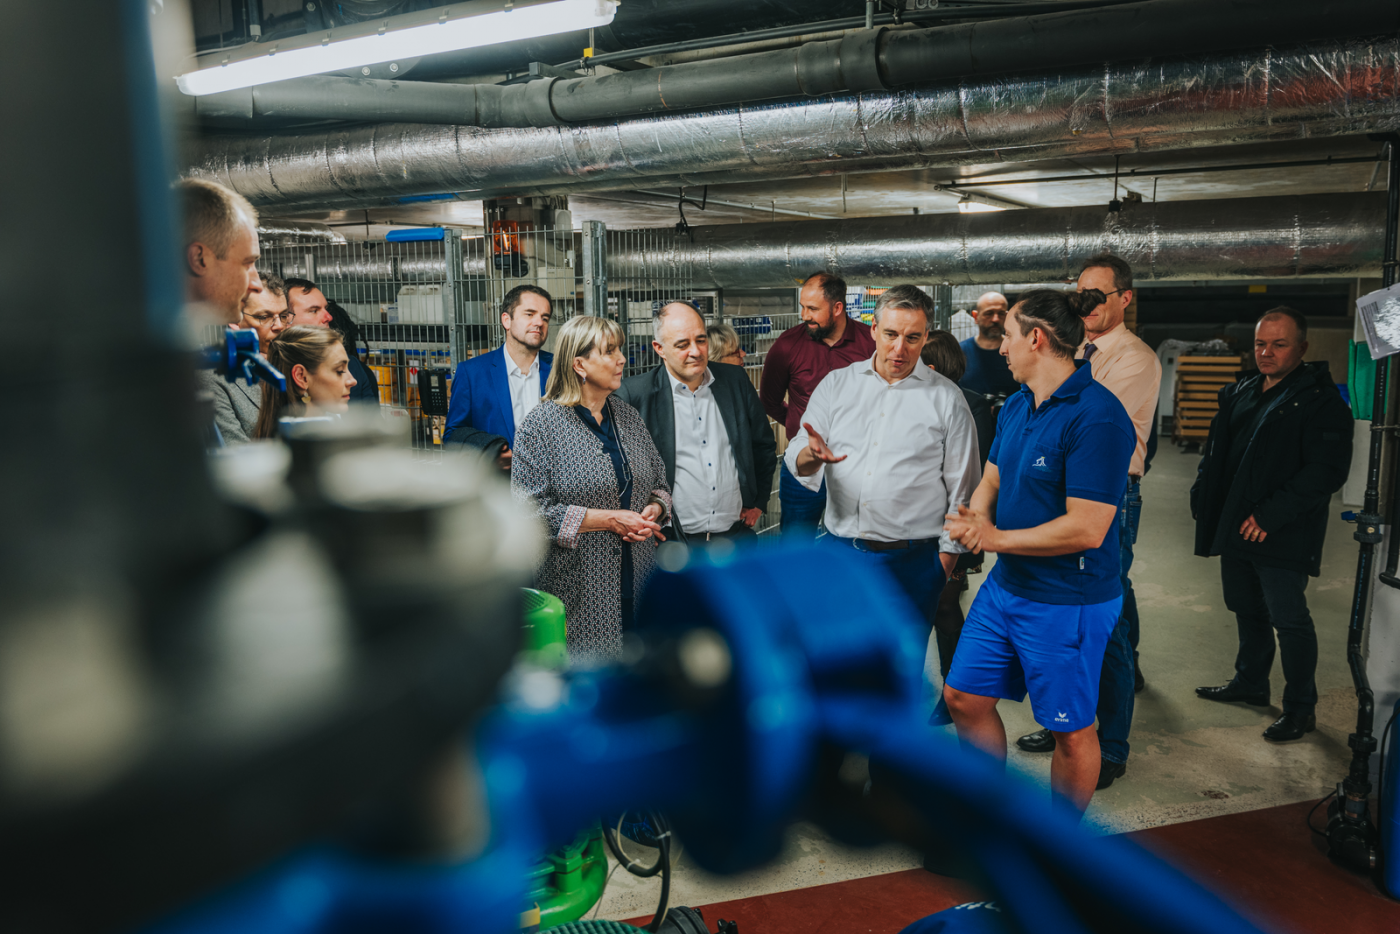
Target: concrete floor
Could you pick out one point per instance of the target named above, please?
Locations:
(1190, 758)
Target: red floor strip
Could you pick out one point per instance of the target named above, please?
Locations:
(882, 904)
(1265, 863)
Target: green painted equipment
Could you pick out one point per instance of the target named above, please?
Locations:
(544, 630)
(568, 882)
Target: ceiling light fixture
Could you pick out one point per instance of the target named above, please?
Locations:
(968, 206)
(442, 35)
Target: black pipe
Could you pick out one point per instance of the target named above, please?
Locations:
(863, 60)
(872, 60)
(1350, 831)
(979, 12)
(1389, 576)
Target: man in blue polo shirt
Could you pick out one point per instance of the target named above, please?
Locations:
(1047, 505)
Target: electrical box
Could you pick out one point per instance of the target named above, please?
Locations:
(432, 390)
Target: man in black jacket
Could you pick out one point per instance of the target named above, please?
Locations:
(710, 427)
(1279, 447)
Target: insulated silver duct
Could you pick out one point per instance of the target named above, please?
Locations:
(275, 229)
(1239, 238)
(1329, 89)
(863, 60)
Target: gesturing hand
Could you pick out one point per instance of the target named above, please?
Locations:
(817, 445)
(1251, 531)
(970, 529)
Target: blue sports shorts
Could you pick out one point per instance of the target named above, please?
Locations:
(1011, 646)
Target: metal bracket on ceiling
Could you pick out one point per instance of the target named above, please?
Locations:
(538, 70)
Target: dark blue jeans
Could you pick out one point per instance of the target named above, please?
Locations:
(802, 509)
(1116, 698)
(1263, 600)
(916, 569)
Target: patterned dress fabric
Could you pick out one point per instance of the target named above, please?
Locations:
(559, 464)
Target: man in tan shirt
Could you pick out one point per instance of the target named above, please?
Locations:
(1124, 365)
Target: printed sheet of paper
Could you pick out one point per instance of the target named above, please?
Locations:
(1380, 319)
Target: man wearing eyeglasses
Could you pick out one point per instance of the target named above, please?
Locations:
(266, 312)
(236, 404)
(1124, 365)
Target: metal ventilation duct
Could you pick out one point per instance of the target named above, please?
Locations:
(863, 60)
(1327, 89)
(276, 229)
(1239, 238)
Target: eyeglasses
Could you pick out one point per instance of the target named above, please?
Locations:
(1114, 292)
(264, 319)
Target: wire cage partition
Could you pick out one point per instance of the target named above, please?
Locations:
(430, 304)
(427, 305)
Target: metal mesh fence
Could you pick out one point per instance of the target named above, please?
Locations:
(428, 305)
(644, 272)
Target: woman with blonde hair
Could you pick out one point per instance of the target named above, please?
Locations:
(589, 465)
(724, 344)
(318, 377)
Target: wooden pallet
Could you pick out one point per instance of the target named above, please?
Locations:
(1198, 384)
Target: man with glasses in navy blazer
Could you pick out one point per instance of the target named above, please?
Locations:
(492, 393)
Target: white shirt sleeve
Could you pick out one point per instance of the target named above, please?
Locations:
(818, 415)
(962, 469)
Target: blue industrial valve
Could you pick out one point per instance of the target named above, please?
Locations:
(751, 679)
(239, 356)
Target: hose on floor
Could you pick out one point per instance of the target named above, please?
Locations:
(612, 836)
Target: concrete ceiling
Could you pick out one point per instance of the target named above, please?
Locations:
(892, 193)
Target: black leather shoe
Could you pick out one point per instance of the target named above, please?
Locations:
(1138, 682)
(1108, 771)
(1039, 741)
(1290, 726)
(1233, 692)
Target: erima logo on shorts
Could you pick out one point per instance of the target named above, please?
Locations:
(1061, 718)
(1039, 462)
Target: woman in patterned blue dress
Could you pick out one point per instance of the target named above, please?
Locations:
(587, 462)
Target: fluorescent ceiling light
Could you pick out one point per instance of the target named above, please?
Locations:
(445, 35)
(967, 206)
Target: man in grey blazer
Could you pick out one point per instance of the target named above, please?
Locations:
(236, 404)
(710, 428)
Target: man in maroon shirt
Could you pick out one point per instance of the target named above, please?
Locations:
(826, 340)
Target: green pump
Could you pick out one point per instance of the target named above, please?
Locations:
(569, 881)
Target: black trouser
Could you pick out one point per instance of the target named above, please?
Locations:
(1263, 600)
(948, 620)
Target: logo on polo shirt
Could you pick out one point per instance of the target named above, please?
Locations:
(1039, 461)
(1061, 718)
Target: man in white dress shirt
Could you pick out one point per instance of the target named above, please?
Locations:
(898, 448)
(709, 427)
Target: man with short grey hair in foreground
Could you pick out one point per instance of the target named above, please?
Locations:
(897, 446)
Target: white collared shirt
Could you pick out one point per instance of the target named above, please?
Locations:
(524, 387)
(911, 453)
(706, 496)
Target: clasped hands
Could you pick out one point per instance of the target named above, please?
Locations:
(637, 526)
(975, 531)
